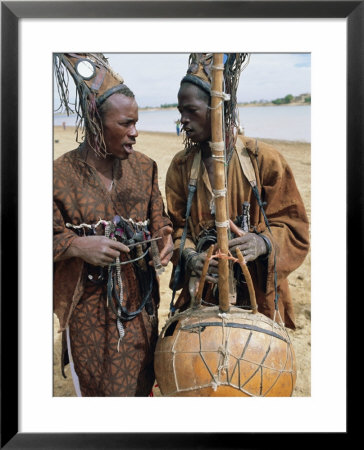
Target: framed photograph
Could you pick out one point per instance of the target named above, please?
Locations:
(332, 32)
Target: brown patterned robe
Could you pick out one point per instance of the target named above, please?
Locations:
(81, 197)
(284, 209)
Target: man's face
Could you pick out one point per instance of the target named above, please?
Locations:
(119, 122)
(195, 113)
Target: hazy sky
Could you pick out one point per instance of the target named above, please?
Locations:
(154, 77)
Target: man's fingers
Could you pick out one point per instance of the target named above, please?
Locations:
(106, 260)
(248, 258)
(235, 229)
(110, 256)
(242, 247)
(213, 269)
(118, 246)
(211, 279)
(166, 258)
(166, 251)
(239, 241)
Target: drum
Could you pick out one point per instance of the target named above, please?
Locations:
(203, 352)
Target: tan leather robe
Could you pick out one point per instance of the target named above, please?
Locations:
(284, 208)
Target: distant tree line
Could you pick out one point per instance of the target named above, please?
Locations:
(306, 98)
(169, 105)
(283, 101)
(303, 98)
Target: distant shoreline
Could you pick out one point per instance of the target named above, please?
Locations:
(253, 105)
(240, 105)
(59, 129)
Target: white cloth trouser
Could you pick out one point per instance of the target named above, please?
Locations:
(76, 382)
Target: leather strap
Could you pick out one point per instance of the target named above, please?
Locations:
(248, 170)
(246, 163)
(99, 79)
(246, 326)
(100, 100)
(192, 186)
(195, 167)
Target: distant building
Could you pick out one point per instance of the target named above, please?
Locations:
(302, 98)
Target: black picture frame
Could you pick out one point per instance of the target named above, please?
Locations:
(11, 12)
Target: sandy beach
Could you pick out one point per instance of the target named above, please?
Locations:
(162, 147)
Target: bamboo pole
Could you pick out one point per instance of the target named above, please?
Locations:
(219, 180)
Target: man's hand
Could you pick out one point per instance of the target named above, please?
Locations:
(167, 250)
(195, 262)
(165, 245)
(96, 250)
(251, 246)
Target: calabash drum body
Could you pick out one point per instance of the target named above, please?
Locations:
(202, 353)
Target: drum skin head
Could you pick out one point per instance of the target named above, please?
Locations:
(203, 353)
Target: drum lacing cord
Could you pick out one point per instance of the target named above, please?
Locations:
(219, 192)
(225, 354)
(218, 147)
(215, 381)
(224, 98)
(276, 312)
(222, 224)
(224, 365)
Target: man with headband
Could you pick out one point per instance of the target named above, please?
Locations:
(109, 223)
(268, 222)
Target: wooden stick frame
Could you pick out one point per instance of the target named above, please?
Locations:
(219, 177)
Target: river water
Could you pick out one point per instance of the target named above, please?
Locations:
(291, 123)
